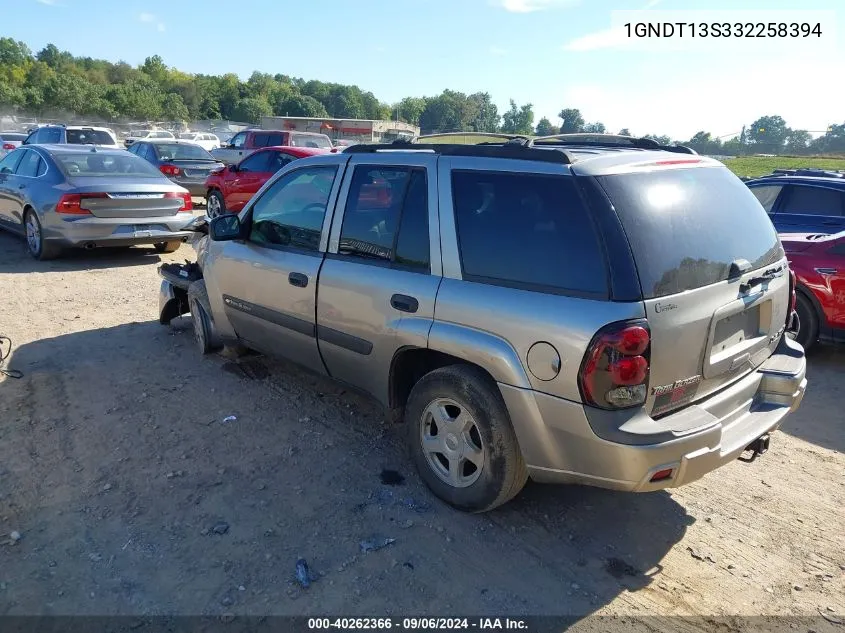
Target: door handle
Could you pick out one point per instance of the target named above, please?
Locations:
(298, 279)
(404, 303)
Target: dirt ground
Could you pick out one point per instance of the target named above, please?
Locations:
(131, 494)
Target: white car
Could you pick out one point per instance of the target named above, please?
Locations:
(147, 135)
(206, 140)
(71, 134)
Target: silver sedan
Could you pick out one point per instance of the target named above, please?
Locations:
(65, 196)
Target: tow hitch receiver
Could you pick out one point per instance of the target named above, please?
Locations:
(757, 448)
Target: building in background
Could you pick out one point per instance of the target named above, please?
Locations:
(357, 130)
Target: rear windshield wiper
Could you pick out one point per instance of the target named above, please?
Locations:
(771, 273)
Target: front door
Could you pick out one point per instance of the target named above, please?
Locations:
(268, 282)
(379, 282)
(252, 173)
(9, 192)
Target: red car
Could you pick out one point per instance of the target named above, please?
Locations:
(230, 188)
(819, 265)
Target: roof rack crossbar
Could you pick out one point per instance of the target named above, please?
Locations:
(505, 150)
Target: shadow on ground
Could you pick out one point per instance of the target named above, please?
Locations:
(825, 381)
(134, 496)
(13, 247)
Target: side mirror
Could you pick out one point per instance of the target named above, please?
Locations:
(225, 228)
(6, 170)
(233, 168)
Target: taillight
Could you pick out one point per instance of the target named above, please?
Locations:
(8, 146)
(71, 203)
(614, 373)
(187, 202)
(170, 170)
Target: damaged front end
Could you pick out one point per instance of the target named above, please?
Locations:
(176, 278)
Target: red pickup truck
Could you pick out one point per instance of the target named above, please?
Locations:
(245, 143)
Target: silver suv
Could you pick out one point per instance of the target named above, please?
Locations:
(595, 310)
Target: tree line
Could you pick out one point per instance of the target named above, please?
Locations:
(54, 82)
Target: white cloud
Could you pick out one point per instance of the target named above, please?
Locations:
(608, 38)
(49, 3)
(529, 6)
(146, 17)
(498, 51)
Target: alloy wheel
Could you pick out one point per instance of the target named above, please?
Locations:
(451, 443)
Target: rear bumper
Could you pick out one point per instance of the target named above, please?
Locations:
(560, 446)
(85, 230)
(195, 187)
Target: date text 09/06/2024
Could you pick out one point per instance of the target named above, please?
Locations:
(417, 624)
(723, 29)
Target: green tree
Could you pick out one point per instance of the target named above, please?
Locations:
(295, 104)
(13, 53)
(594, 128)
(518, 120)
(768, 134)
(572, 121)
(624, 132)
(662, 139)
(545, 128)
(443, 113)
(411, 109)
(481, 114)
(798, 141)
(173, 108)
(251, 109)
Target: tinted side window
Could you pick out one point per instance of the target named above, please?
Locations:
(238, 140)
(277, 161)
(50, 135)
(290, 213)
(527, 230)
(812, 201)
(29, 165)
(10, 162)
(274, 139)
(767, 195)
(256, 162)
(385, 206)
(260, 140)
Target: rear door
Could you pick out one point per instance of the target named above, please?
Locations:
(810, 208)
(377, 285)
(713, 277)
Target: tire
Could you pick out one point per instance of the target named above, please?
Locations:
(35, 243)
(808, 321)
(466, 390)
(215, 205)
(204, 335)
(167, 247)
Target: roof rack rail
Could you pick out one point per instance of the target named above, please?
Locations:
(487, 135)
(809, 172)
(585, 139)
(503, 150)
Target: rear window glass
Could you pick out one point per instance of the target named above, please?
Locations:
(12, 137)
(187, 151)
(686, 226)
(95, 137)
(528, 231)
(310, 140)
(268, 140)
(90, 164)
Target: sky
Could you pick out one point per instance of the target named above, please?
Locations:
(554, 54)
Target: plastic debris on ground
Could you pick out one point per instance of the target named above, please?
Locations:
(376, 543)
(303, 574)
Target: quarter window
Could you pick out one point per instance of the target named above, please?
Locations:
(291, 212)
(29, 166)
(528, 231)
(767, 195)
(386, 217)
(10, 162)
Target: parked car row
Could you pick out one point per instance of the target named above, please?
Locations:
(807, 207)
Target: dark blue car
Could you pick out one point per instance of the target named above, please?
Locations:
(803, 201)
